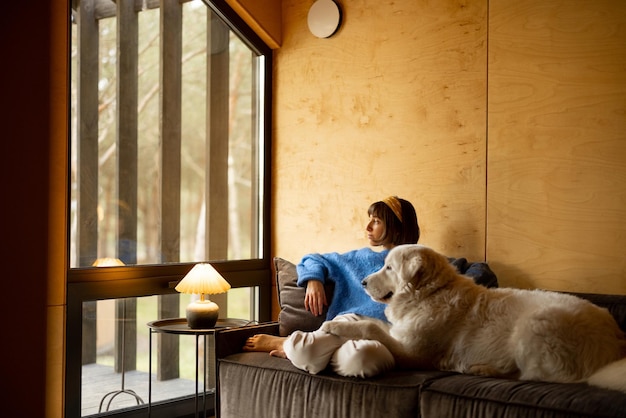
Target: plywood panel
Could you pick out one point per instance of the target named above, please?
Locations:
(57, 251)
(55, 360)
(557, 144)
(263, 16)
(393, 103)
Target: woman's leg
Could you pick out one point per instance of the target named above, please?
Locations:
(264, 342)
(311, 351)
(362, 358)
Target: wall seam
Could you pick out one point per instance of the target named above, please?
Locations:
(486, 213)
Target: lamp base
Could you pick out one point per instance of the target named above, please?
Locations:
(202, 314)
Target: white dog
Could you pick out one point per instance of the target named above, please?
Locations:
(443, 320)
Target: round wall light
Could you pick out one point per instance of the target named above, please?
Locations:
(324, 18)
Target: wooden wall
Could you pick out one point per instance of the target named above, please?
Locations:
(504, 123)
(557, 144)
(263, 16)
(393, 103)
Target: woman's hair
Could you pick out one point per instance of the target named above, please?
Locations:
(400, 228)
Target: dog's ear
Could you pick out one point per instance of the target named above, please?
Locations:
(434, 269)
(411, 264)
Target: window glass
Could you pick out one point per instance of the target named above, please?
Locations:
(167, 152)
(166, 140)
(118, 378)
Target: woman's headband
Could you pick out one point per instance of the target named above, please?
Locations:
(395, 205)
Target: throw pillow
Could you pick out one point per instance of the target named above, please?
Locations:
(292, 314)
(479, 271)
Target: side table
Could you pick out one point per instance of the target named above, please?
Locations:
(179, 326)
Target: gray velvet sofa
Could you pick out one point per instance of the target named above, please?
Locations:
(256, 384)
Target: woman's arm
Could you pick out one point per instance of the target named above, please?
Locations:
(315, 297)
(312, 274)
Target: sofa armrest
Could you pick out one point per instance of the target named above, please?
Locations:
(230, 341)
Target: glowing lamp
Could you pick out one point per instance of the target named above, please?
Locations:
(202, 280)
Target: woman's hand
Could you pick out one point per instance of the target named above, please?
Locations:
(315, 297)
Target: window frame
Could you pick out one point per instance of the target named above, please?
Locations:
(92, 284)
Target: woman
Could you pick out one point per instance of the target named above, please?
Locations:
(392, 222)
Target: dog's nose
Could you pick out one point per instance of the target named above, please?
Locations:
(364, 282)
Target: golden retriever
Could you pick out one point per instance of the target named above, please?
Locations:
(443, 320)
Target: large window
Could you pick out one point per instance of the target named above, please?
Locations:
(169, 167)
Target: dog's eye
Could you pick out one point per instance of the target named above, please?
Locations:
(388, 268)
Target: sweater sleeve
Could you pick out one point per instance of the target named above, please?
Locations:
(312, 267)
(346, 271)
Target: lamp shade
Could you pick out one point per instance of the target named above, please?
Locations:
(203, 279)
(108, 262)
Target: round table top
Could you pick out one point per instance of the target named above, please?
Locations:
(179, 325)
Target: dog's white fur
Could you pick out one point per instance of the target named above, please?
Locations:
(443, 320)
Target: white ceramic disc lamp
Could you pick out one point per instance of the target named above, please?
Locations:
(202, 280)
(324, 18)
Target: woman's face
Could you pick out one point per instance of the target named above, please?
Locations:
(375, 230)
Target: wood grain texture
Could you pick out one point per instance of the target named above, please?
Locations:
(503, 122)
(393, 103)
(263, 16)
(557, 144)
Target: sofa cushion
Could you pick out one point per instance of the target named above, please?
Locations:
(292, 315)
(464, 395)
(272, 387)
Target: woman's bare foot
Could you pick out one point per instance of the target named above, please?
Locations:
(267, 343)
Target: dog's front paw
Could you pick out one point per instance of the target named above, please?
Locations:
(329, 327)
(341, 329)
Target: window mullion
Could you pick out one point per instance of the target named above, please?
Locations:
(170, 119)
(218, 118)
(87, 144)
(127, 123)
(126, 142)
(171, 127)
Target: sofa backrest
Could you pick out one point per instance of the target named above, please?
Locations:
(293, 316)
(616, 305)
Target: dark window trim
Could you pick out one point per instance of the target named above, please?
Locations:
(237, 25)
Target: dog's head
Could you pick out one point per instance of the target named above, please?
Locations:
(407, 267)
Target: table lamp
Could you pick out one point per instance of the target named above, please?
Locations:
(202, 280)
(108, 262)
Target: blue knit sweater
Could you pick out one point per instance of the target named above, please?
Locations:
(346, 271)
